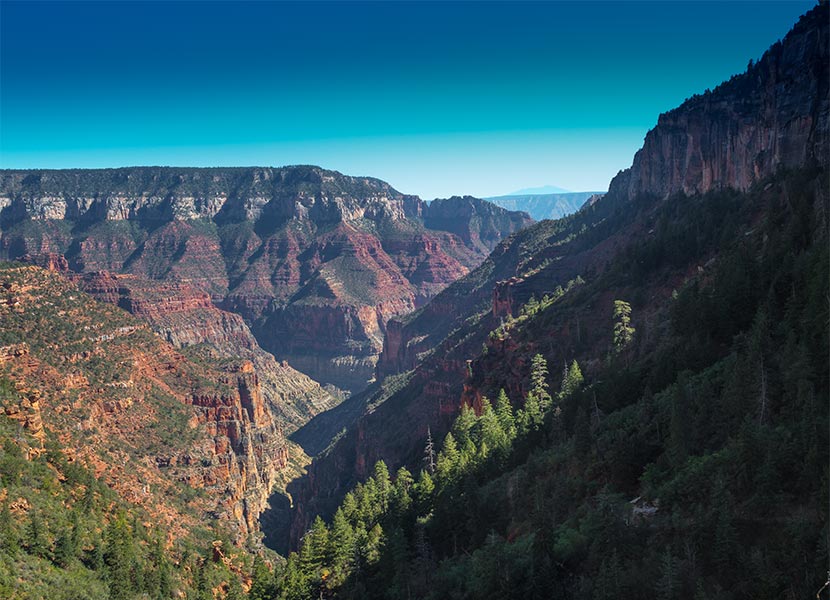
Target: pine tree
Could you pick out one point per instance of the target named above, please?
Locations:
(9, 541)
(262, 580)
(423, 492)
(349, 506)
(314, 550)
(623, 331)
(374, 541)
(504, 412)
(342, 546)
(462, 429)
(492, 435)
(448, 460)
(119, 559)
(429, 453)
(64, 549)
(401, 498)
(35, 538)
(539, 381)
(383, 485)
(572, 380)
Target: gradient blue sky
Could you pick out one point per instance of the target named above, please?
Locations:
(436, 98)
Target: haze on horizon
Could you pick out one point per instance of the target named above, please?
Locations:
(438, 99)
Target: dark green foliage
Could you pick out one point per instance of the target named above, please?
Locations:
(65, 535)
(693, 468)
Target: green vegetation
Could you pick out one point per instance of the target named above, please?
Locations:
(623, 331)
(688, 464)
(66, 535)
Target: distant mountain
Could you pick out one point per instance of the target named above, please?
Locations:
(535, 191)
(315, 261)
(544, 206)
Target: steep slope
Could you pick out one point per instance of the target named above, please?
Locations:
(185, 317)
(544, 206)
(191, 442)
(315, 261)
(758, 174)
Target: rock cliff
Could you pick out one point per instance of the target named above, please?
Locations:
(751, 145)
(141, 414)
(315, 261)
(773, 116)
(185, 317)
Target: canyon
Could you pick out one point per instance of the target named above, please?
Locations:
(148, 420)
(751, 131)
(316, 262)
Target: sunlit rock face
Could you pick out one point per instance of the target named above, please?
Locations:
(316, 262)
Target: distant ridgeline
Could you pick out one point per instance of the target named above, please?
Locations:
(315, 261)
(628, 402)
(545, 206)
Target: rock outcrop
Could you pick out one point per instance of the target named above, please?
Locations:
(765, 131)
(773, 116)
(185, 317)
(315, 261)
(144, 416)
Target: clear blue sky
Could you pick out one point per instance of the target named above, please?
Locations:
(436, 98)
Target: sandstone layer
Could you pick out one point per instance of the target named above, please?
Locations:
(315, 261)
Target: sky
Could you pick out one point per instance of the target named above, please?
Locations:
(436, 98)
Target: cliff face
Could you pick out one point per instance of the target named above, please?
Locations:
(185, 317)
(771, 117)
(138, 412)
(774, 116)
(632, 232)
(296, 245)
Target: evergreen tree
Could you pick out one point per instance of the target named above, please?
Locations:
(64, 549)
(314, 551)
(462, 429)
(491, 434)
(448, 460)
(623, 331)
(342, 546)
(120, 559)
(35, 538)
(429, 453)
(539, 381)
(9, 540)
(383, 485)
(374, 542)
(504, 412)
(262, 580)
(572, 380)
(423, 492)
(401, 498)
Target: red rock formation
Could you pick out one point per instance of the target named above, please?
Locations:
(140, 414)
(503, 301)
(185, 316)
(339, 254)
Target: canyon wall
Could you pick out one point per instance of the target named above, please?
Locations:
(143, 416)
(315, 261)
(759, 138)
